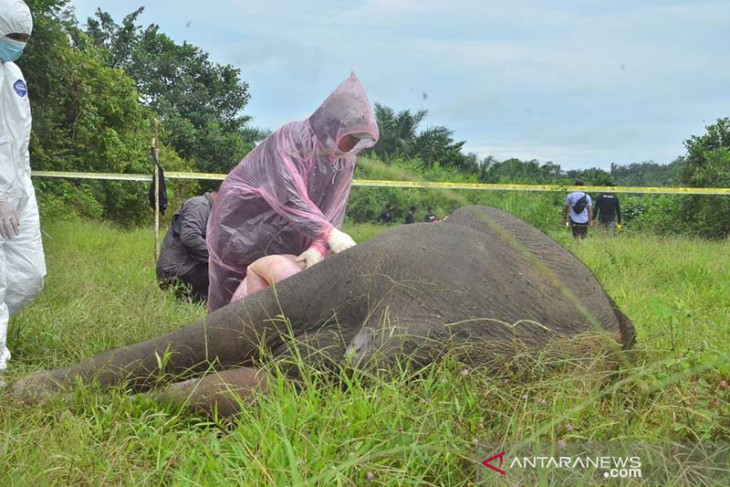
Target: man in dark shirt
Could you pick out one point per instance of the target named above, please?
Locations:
(607, 211)
(388, 215)
(411, 216)
(183, 261)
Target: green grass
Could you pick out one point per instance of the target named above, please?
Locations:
(426, 430)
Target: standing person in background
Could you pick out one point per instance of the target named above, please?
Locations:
(288, 195)
(183, 261)
(578, 209)
(411, 216)
(22, 262)
(607, 212)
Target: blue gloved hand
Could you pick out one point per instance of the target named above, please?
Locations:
(9, 225)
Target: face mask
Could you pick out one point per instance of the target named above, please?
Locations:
(10, 50)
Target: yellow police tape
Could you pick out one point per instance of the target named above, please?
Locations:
(402, 184)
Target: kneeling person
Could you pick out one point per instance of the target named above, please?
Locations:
(183, 261)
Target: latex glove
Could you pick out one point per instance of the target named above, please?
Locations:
(9, 227)
(310, 257)
(339, 241)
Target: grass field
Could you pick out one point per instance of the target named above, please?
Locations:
(101, 293)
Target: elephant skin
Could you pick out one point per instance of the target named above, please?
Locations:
(482, 281)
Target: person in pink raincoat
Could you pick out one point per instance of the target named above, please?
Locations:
(288, 195)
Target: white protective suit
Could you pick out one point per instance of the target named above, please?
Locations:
(22, 264)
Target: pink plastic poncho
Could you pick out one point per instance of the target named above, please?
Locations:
(289, 192)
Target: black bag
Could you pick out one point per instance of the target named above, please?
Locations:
(162, 187)
(580, 205)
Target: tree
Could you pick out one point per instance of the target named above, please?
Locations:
(647, 173)
(593, 176)
(406, 124)
(435, 145)
(397, 132)
(706, 165)
(199, 103)
(86, 117)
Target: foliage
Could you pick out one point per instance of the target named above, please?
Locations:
(542, 209)
(397, 132)
(434, 146)
(430, 429)
(367, 203)
(594, 175)
(199, 103)
(85, 118)
(646, 173)
(532, 172)
(706, 165)
(517, 171)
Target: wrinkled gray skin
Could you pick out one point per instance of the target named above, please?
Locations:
(482, 281)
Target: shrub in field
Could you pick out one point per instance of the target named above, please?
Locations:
(707, 165)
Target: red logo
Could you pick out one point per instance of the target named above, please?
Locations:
(501, 459)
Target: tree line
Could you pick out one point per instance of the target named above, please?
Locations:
(96, 90)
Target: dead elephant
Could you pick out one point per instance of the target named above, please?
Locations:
(482, 281)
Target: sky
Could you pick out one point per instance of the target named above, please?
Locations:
(581, 83)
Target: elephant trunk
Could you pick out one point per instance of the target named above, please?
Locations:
(227, 337)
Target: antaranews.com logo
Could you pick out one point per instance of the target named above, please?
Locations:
(614, 467)
(611, 463)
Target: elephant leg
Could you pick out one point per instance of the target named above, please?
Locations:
(224, 393)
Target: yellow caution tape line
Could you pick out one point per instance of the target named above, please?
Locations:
(92, 175)
(403, 184)
(125, 177)
(541, 187)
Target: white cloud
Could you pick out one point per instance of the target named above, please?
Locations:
(576, 82)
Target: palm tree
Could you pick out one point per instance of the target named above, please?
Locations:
(385, 117)
(406, 124)
(397, 132)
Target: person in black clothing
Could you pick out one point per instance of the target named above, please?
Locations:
(388, 215)
(607, 211)
(411, 216)
(430, 217)
(183, 261)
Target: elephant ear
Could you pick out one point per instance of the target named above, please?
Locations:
(628, 330)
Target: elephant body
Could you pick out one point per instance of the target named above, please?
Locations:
(481, 281)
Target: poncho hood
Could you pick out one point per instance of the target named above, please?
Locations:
(346, 111)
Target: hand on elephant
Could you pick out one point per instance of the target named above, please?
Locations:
(310, 257)
(339, 241)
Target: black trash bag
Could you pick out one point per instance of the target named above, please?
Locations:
(163, 189)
